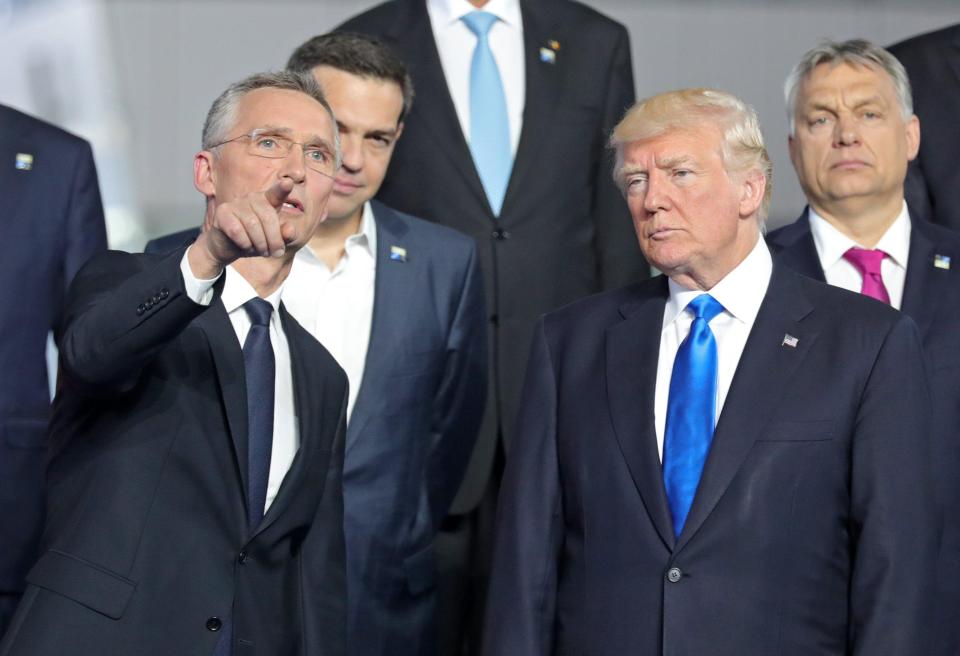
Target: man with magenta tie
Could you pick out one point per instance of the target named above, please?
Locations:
(852, 134)
(728, 459)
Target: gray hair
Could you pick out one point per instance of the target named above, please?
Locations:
(855, 52)
(742, 145)
(223, 113)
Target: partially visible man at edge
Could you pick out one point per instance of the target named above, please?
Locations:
(194, 487)
(728, 459)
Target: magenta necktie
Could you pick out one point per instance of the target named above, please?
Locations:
(868, 264)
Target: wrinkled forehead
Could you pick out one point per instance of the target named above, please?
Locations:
(694, 141)
(837, 77)
(283, 112)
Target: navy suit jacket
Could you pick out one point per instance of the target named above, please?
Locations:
(413, 427)
(564, 230)
(933, 63)
(811, 532)
(931, 297)
(146, 548)
(52, 222)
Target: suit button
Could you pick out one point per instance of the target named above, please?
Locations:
(214, 624)
(674, 575)
(164, 293)
(149, 304)
(500, 234)
(156, 297)
(242, 557)
(141, 309)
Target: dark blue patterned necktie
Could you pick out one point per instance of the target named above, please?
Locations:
(691, 410)
(260, 368)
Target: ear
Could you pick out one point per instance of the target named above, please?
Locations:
(204, 174)
(913, 137)
(793, 148)
(752, 188)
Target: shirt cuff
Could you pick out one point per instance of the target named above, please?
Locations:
(200, 291)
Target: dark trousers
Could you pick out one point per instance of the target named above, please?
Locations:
(464, 549)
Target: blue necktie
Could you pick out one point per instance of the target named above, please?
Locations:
(259, 367)
(691, 410)
(489, 127)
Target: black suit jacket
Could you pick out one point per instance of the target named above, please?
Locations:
(564, 230)
(146, 539)
(933, 64)
(52, 221)
(931, 297)
(413, 426)
(811, 532)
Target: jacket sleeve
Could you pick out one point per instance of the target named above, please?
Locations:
(121, 310)
(618, 253)
(460, 400)
(521, 602)
(893, 523)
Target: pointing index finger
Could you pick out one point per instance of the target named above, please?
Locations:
(278, 193)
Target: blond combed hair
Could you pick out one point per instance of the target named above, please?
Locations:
(742, 143)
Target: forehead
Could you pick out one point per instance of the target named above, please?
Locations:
(291, 110)
(701, 142)
(359, 95)
(832, 79)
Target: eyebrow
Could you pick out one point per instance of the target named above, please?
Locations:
(674, 161)
(310, 140)
(873, 99)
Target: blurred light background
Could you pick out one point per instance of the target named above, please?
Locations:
(136, 77)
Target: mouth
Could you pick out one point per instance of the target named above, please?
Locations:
(292, 205)
(344, 186)
(849, 165)
(661, 233)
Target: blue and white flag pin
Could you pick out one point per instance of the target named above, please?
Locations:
(548, 56)
(398, 254)
(789, 340)
(24, 162)
(941, 261)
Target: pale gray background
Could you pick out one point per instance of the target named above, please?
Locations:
(165, 61)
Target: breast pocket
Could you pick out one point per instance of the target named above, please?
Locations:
(800, 430)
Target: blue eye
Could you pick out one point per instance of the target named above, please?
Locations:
(317, 155)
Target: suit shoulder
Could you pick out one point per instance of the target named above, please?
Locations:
(925, 41)
(373, 20)
(586, 19)
(601, 309)
(31, 128)
(436, 240)
(170, 242)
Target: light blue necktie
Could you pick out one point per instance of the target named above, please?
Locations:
(489, 127)
(691, 410)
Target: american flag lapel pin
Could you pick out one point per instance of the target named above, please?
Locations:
(789, 340)
(23, 162)
(398, 254)
(941, 261)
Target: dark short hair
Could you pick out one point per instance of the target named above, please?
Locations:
(358, 54)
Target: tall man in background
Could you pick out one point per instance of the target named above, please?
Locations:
(730, 459)
(507, 144)
(852, 134)
(52, 222)
(933, 62)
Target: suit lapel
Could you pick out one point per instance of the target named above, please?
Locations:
(797, 249)
(228, 361)
(763, 373)
(924, 281)
(632, 350)
(12, 179)
(543, 86)
(434, 106)
(394, 280)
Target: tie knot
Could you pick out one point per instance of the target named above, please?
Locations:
(705, 307)
(479, 22)
(867, 261)
(259, 311)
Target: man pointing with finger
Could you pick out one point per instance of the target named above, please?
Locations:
(195, 501)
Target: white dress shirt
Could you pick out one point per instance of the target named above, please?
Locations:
(832, 244)
(456, 43)
(236, 292)
(740, 293)
(336, 306)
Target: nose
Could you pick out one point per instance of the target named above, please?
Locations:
(655, 198)
(293, 166)
(351, 153)
(845, 132)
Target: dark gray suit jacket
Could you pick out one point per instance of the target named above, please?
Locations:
(812, 530)
(564, 230)
(146, 548)
(931, 297)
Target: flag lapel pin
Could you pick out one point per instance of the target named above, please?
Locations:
(24, 162)
(548, 56)
(789, 340)
(398, 254)
(941, 261)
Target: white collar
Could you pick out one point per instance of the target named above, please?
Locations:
(363, 240)
(451, 11)
(237, 291)
(740, 292)
(832, 244)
